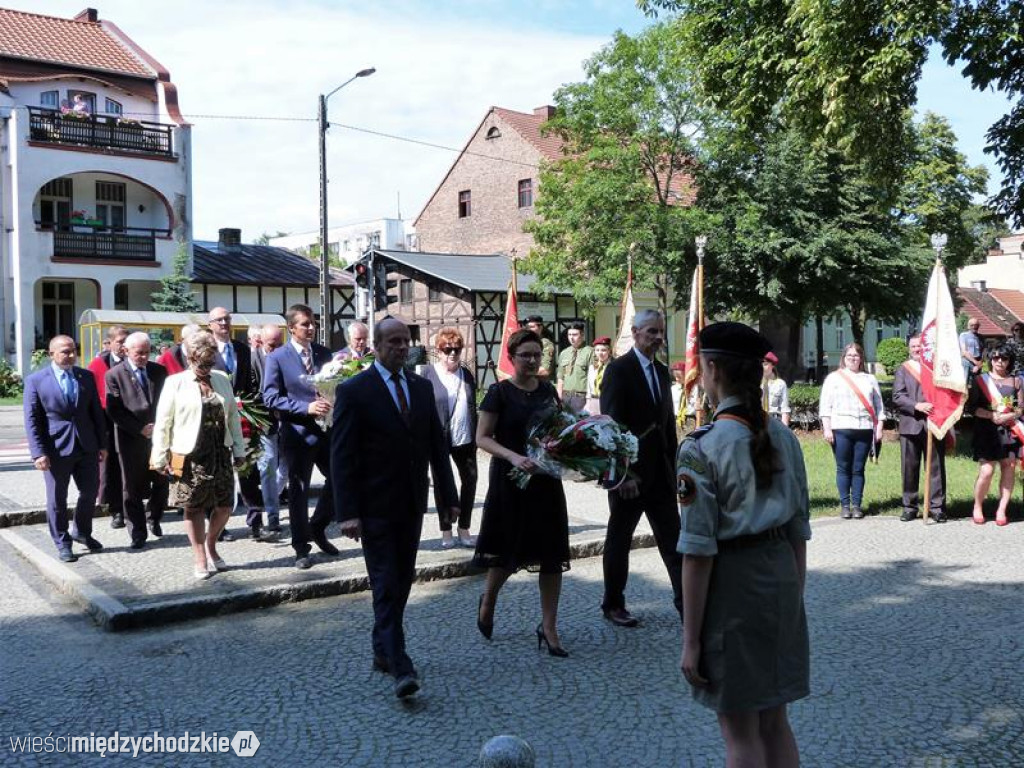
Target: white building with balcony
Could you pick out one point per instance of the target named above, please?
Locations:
(95, 175)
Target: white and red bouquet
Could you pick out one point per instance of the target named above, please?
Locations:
(579, 447)
(333, 372)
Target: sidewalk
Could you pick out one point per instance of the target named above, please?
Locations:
(123, 588)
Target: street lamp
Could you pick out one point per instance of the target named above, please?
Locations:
(325, 273)
(939, 241)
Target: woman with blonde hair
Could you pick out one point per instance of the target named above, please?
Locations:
(851, 415)
(197, 437)
(595, 374)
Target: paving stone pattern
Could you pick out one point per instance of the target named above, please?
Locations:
(916, 661)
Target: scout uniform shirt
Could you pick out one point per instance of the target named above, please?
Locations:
(718, 496)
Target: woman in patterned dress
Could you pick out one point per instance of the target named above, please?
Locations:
(197, 418)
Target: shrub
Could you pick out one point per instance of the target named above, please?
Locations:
(10, 381)
(40, 359)
(891, 353)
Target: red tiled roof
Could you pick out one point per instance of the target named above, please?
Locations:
(80, 44)
(528, 126)
(995, 318)
(1012, 300)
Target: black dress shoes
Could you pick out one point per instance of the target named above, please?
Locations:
(303, 563)
(156, 530)
(620, 617)
(66, 555)
(406, 685)
(137, 544)
(908, 515)
(325, 546)
(88, 541)
(226, 535)
(845, 513)
(858, 513)
(380, 664)
(117, 520)
(938, 516)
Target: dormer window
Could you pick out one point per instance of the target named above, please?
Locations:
(493, 132)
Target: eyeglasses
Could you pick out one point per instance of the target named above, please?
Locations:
(1000, 357)
(450, 350)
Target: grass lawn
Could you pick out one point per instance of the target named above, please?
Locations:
(883, 487)
(10, 400)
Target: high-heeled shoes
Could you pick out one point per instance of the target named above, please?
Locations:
(485, 629)
(553, 650)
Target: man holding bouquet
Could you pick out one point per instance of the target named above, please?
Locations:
(303, 441)
(637, 393)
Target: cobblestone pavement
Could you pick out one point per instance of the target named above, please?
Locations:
(916, 661)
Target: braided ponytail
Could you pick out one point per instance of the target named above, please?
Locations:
(742, 378)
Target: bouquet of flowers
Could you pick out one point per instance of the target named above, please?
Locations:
(256, 422)
(579, 447)
(327, 379)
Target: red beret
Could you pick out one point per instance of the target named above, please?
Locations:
(771, 358)
(679, 366)
(605, 340)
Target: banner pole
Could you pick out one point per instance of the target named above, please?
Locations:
(699, 416)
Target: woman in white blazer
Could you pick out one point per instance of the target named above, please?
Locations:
(197, 438)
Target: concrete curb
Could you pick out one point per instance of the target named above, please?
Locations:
(107, 611)
(113, 615)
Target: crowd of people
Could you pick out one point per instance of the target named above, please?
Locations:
(729, 511)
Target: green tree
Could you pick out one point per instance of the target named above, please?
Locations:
(175, 294)
(266, 237)
(628, 132)
(844, 74)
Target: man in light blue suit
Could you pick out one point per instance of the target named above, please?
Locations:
(67, 438)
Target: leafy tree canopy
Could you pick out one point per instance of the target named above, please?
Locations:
(845, 73)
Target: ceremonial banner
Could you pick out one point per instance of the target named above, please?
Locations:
(627, 311)
(511, 325)
(692, 360)
(943, 382)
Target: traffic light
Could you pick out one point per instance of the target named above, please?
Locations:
(381, 286)
(361, 269)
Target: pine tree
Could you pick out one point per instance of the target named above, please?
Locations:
(175, 293)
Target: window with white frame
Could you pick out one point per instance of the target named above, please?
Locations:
(840, 337)
(110, 201)
(112, 107)
(49, 99)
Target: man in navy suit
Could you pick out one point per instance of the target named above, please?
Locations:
(636, 391)
(67, 438)
(297, 406)
(386, 432)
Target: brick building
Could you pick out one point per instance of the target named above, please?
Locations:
(480, 205)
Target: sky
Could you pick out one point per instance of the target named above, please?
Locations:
(441, 64)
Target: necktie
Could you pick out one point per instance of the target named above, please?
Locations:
(307, 360)
(403, 404)
(143, 382)
(655, 392)
(229, 358)
(68, 387)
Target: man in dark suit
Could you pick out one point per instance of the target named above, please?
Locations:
(298, 406)
(358, 343)
(913, 410)
(133, 389)
(111, 493)
(235, 359)
(637, 392)
(386, 433)
(67, 438)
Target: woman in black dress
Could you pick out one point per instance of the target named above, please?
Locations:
(996, 400)
(521, 527)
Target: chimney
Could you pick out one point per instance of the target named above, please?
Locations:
(229, 240)
(89, 14)
(547, 111)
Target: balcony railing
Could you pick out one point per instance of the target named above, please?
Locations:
(114, 246)
(50, 126)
